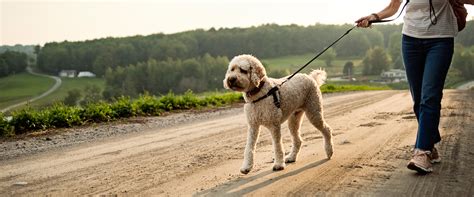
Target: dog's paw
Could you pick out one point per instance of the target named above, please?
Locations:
(244, 170)
(278, 167)
(290, 159)
(329, 152)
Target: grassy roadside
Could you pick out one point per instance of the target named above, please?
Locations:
(58, 115)
(21, 87)
(332, 88)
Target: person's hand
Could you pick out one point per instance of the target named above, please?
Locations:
(364, 21)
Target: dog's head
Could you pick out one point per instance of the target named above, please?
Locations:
(244, 73)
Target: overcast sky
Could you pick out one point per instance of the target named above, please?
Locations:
(39, 21)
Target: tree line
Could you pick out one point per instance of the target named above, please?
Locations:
(12, 62)
(265, 41)
(160, 77)
(197, 59)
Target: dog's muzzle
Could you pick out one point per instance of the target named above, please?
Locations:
(233, 83)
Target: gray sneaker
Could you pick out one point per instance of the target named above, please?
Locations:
(420, 162)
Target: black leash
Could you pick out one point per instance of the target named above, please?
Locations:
(347, 32)
(274, 91)
(319, 54)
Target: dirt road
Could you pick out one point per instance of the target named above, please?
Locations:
(374, 133)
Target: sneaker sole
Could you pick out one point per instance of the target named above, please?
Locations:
(435, 160)
(419, 169)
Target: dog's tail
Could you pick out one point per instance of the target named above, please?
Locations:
(319, 75)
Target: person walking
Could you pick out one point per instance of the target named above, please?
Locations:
(428, 35)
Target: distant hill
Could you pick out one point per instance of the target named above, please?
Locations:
(28, 49)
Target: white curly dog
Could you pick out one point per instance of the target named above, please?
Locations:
(299, 95)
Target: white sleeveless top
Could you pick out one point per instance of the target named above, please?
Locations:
(417, 21)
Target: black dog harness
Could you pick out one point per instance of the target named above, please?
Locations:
(275, 92)
(272, 92)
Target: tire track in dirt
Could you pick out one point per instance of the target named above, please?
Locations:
(364, 145)
(454, 175)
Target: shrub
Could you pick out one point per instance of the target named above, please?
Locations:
(123, 107)
(98, 112)
(221, 99)
(188, 101)
(28, 119)
(92, 94)
(60, 115)
(169, 102)
(5, 129)
(73, 97)
(148, 105)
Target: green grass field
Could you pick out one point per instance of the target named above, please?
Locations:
(21, 87)
(68, 84)
(294, 62)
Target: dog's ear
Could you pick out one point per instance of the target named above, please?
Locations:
(257, 71)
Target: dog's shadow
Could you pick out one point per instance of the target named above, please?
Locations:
(227, 189)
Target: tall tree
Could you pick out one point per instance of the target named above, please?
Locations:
(376, 61)
(12, 62)
(348, 69)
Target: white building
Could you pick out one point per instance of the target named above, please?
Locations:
(86, 74)
(67, 73)
(394, 76)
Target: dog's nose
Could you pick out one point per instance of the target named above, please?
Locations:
(232, 80)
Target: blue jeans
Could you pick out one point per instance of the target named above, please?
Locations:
(427, 62)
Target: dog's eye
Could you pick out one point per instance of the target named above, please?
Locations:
(243, 71)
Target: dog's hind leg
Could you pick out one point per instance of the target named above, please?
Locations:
(249, 152)
(315, 116)
(294, 123)
(278, 163)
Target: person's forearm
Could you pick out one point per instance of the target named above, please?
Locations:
(391, 9)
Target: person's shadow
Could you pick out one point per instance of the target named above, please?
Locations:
(226, 189)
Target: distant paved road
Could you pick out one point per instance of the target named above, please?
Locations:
(51, 90)
(466, 86)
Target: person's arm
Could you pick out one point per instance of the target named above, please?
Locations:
(389, 11)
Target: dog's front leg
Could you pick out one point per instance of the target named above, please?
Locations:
(279, 163)
(249, 152)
